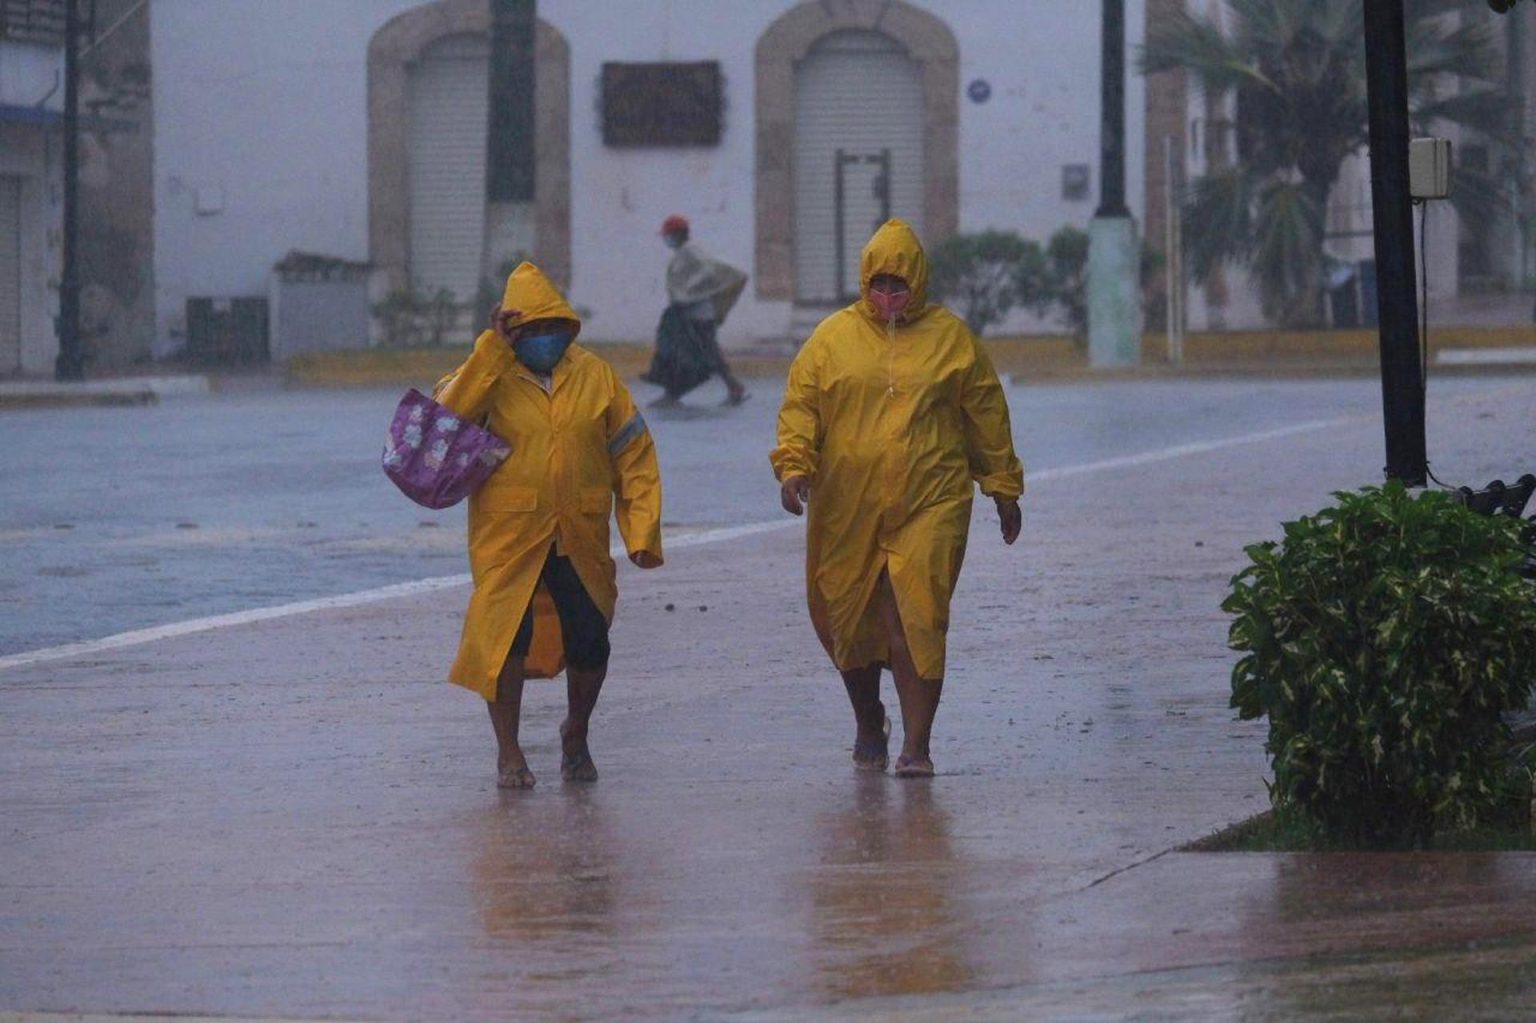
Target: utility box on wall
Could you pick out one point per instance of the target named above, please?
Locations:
(319, 304)
(227, 331)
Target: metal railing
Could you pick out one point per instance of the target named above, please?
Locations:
(32, 21)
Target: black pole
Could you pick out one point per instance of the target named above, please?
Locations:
(70, 364)
(510, 170)
(1402, 372)
(1112, 113)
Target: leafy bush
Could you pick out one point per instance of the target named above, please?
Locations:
(1384, 638)
(979, 274)
(1067, 282)
(408, 318)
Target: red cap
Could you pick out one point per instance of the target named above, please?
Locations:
(676, 222)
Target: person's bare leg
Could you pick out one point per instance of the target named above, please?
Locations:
(506, 711)
(736, 390)
(582, 686)
(870, 752)
(919, 696)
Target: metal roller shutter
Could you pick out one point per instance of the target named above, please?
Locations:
(858, 111)
(448, 111)
(10, 275)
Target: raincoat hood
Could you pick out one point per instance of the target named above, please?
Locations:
(535, 297)
(895, 250)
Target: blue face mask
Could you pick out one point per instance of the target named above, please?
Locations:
(541, 352)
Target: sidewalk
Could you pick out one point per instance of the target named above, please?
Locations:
(130, 390)
(295, 819)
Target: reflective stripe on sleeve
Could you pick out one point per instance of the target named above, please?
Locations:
(628, 432)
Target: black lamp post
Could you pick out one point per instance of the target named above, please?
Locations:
(70, 364)
(1112, 113)
(1402, 372)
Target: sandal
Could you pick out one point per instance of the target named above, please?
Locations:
(872, 756)
(914, 767)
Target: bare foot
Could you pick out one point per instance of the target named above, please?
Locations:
(872, 751)
(575, 758)
(916, 766)
(516, 778)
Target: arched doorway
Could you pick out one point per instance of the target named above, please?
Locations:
(858, 156)
(812, 33)
(427, 122)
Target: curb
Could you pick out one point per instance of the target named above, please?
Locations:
(122, 391)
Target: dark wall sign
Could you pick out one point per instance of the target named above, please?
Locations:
(662, 104)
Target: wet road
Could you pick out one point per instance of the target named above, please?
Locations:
(297, 819)
(123, 518)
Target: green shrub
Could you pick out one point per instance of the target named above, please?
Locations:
(979, 275)
(1384, 638)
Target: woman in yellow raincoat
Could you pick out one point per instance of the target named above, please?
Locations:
(538, 528)
(892, 410)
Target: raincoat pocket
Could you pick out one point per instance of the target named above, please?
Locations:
(596, 502)
(512, 499)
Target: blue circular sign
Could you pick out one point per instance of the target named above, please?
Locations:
(980, 90)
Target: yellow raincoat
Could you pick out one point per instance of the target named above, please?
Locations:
(891, 426)
(574, 448)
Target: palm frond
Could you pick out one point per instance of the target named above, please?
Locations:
(1490, 112)
(1218, 221)
(1286, 257)
(1465, 51)
(1199, 47)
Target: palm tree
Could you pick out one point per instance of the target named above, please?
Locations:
(1297, 71)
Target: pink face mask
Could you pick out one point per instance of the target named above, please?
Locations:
(890, 304)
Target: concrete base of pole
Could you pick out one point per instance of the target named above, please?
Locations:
(1114, 301)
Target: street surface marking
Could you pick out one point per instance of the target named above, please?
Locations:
(1181, 450)
(708, 536)
(139, 636)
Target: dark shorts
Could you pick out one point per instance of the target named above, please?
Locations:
(582, 624)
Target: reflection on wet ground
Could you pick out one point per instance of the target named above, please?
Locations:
(296, 818)
(884, 918)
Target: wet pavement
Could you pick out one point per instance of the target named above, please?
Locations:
(114, 519)
(296, 819)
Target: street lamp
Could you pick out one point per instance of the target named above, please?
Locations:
(70, 364)
(1114, 257)
(1402, 372)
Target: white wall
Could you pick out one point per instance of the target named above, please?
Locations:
(31, 74)
(33, 153)
(619, 196)
(261, 122)
(1041, 58)
(261, 112)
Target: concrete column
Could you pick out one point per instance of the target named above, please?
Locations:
(1114, 304)
(1114, 308)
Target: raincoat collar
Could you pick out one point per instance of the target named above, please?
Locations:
(894, 249)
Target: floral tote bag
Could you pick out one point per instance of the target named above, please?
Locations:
(436, 458)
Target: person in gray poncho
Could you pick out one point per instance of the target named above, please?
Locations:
(701, 291)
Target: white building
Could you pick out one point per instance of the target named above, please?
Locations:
(357, 129)
(1476, 274)
(31, 101)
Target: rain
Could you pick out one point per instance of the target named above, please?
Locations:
(827, 436)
